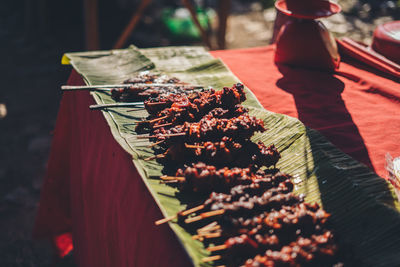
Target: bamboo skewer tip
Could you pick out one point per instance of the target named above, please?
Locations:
(189, 211)
(159, 156)
(162, 125)
(217, 248)
(194, 146)
(198, 237)
(162, 221)
(204, 216)
(157, 119)
(208, 226)
(212, 258)
(208, 230)
(172, 178)
(155, 144)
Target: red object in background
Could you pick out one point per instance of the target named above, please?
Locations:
(365, 54)
(386, 40)
(95, 192)
(306, 43)
(307, 9)
(63, 244)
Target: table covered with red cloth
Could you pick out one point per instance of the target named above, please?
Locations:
(93, 191)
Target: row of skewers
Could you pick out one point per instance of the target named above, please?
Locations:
(250, 215)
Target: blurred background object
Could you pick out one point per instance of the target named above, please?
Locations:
(308, 44)
(35, 34)
(302, 31)
(386, 40)
(3, 111)
(180, 25)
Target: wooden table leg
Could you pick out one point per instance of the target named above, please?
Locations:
(224, 7)
(193, 13)
(91, 25)
(137, 14)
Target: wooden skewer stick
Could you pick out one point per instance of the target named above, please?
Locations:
(207, 236)
(198, 237)
(118, 105)
(217, 248)
(193, 146)
(156, 143)
(169, 178)
(157, 119)
(183, 213)
(159, 156)
(166, 219)
(172, 135)
(162, 125)
(203, 231)
(212, 258)
(155, 103)
(205, 215)
(108, 87)
(161, 135)
(212, 235)
(189, 211)
(208, 226)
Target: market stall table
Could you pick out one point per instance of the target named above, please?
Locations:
(93, 190)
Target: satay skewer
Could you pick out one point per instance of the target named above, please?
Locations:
(241, 127)
(140, 105)
(210, 214)
(108, 87)
(257, 187)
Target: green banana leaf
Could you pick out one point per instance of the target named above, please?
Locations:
(365, 213)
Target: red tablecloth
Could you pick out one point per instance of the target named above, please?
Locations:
(93, 190)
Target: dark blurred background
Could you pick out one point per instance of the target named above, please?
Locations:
(34, 34)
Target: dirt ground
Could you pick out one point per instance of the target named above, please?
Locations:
(33, 39)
